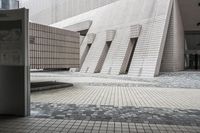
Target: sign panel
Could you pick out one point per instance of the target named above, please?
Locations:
(10, 43)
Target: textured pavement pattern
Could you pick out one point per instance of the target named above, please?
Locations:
(147, 115)
(122, 96)
(112, 104)
(39, 125)
(165, 80)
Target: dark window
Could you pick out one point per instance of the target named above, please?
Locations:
(87, 49)
(103, 57)
(129, 56)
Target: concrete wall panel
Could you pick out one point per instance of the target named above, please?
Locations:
(52, 47)
(51, 11)
(173, 57)
(152, 15)
(114, 58)
(94, 54)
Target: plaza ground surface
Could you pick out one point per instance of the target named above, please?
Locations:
(106, 103)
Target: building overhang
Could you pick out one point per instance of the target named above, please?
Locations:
(85, 25)
(190, 12)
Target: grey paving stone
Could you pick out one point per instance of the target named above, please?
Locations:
(186, 117)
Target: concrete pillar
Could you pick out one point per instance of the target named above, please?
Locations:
(14, 64)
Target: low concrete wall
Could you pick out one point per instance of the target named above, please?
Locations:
(52, 47)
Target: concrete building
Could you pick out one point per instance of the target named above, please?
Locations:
(140, 38)
(51, 11)
(50, 47)
(25, 45)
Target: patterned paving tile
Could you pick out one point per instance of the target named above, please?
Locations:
(41, 125)
(110, 113)
(120, 104)
(122, 96)
(185, 79)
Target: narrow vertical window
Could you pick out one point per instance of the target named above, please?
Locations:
(103, 57)
(129, 56)
(87, 49)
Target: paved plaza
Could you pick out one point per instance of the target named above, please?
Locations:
(112, 104)
(119, 92)
(122, 96)
(41, 125)
(164, 100)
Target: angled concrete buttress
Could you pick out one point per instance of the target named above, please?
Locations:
(146, 33)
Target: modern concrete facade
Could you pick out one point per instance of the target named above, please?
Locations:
(53, 48)
(145, 33)
(50, 47)
(140, 38)
(25, 45)
(51, 11)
